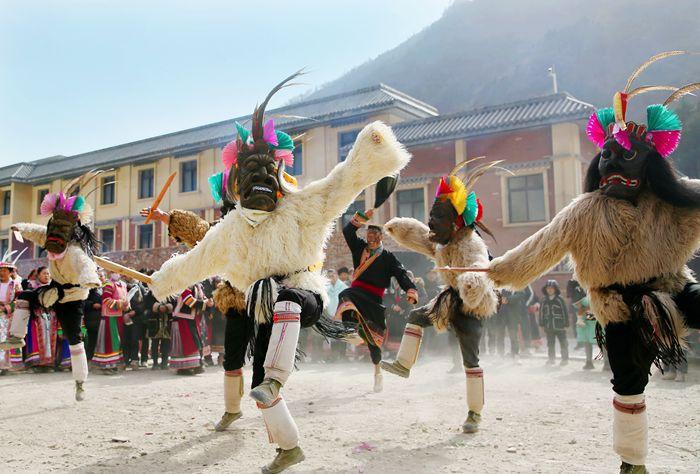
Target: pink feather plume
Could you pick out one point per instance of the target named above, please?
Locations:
(622, 137)
(269, 134)
(229, 156)
(285, 155)
(595, 131)
(665, 141)
(48, 205)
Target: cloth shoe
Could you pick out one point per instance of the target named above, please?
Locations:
(396, 368)
(631, 469)
(285, 458)
(79, 391)
(471, 424)
(226, 420)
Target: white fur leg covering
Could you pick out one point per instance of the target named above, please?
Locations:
(78, 360)
(410, 345)
(233, 390)
(281, 427)
(475, 389)
(630, 428)
(279, 360)
(20, 319)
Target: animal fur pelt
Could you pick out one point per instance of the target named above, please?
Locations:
(294, 236)
(187, 227)
(465, 249)
(227, 297)
(75, 267)
(611, 242)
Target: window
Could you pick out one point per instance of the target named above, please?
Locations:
(345, 142)
(40, 252)
(6, 202)
(297, 169)
(4, 246)
(109, 190)
(188, 176)
(357, 206)
(146, 183)
(145, 236)
(41, 194)
(526, 198)
(107, 239)
(410, 203)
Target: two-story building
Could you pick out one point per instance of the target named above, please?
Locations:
(541, 139)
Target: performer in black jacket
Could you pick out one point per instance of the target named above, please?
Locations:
(362, 302)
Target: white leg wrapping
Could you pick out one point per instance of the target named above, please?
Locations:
(410, 345)
(78, 360)
(233, 390)
(475, 389)
(20, 319)
(279, 360)
(630, 428)
(280, 425)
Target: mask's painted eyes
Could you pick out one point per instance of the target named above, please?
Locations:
(606, 154)
(629, 155)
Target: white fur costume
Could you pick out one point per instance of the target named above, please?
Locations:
(286, 241)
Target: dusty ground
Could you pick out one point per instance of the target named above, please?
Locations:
(535, 420)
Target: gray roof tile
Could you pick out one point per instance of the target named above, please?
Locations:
(524, 113)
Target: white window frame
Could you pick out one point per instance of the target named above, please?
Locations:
(505, 211)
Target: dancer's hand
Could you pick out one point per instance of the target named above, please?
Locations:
(157, 215)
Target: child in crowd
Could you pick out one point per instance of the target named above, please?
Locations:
(554, 318)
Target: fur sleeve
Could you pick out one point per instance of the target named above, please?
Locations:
(375, 154)
(201, 262)
(33, 232)
(412, 234)
(187, 227)
(539, 252)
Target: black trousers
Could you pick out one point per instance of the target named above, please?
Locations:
(630, 376)
(92, 328)
(512, 322)
(467, 328)
(69, 315)
(160, 347)
(552, 336)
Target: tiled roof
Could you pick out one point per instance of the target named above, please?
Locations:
(297, 116)
(532, 112)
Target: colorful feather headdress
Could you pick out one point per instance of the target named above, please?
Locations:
(261, 139)
(663, 128)
(459, 193)
(69, 198)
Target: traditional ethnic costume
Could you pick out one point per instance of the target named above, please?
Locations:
(585, 321)
(629, 237)
(109, 355)
(70, 242)
(362, 302)
(159, 329)
(272, 243)
(8, 292)
(468, 299)
(186, 340)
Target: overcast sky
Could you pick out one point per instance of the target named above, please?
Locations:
(77, 76)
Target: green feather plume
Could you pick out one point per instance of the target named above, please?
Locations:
(471, 210)
(216, 186)
(243, 133)
(79, 204)
(284, 142)
(660, 118)
(606, 116)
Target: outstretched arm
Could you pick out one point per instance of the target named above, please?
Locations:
(183, 226)
(33, 232)
(375, 154)
(203, 261)
(412, 234)
(539, 252)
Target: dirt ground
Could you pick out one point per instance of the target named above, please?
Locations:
(536, 419)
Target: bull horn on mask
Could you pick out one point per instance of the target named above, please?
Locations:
(285, 186)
